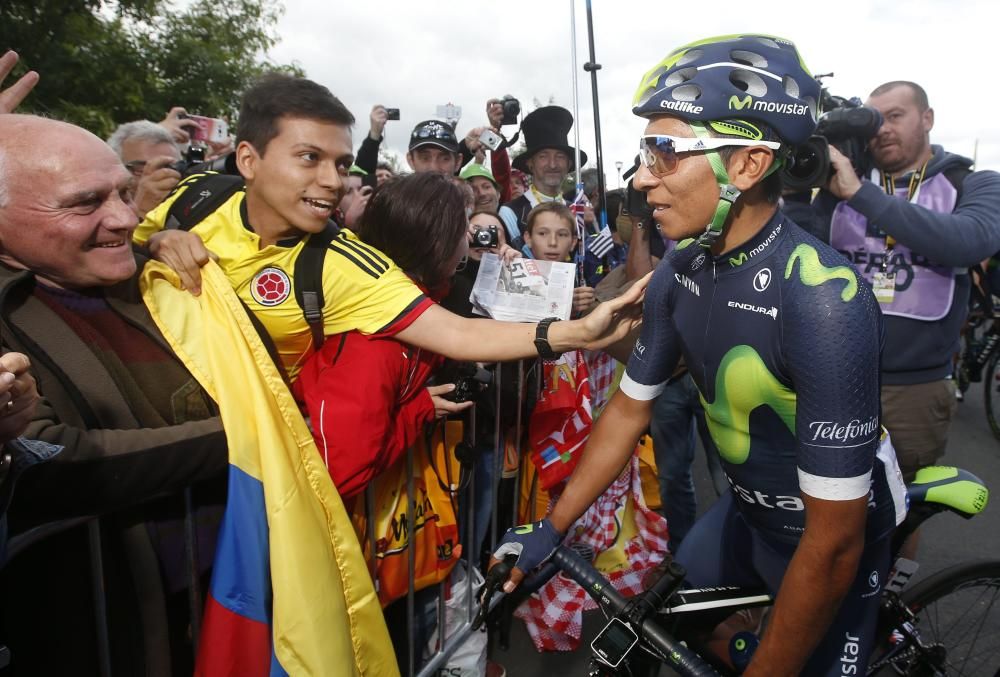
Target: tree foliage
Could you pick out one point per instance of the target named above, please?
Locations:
(104, 62)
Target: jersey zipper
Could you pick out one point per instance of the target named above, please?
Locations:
(708, 325)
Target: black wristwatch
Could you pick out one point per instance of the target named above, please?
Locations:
(542, 339)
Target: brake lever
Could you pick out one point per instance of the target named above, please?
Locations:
(495, 578)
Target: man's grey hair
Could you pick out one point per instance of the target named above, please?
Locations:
(140, 129)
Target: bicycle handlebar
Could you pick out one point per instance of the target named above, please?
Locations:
(683, 660)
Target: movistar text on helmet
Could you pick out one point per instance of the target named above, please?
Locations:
(735, 103)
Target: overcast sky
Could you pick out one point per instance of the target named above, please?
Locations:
(417, 55)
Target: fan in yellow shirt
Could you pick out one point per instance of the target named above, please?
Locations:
(293, 151)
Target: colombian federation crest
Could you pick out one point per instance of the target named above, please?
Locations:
(271, 286)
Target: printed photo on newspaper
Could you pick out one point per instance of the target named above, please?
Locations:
(524, 290)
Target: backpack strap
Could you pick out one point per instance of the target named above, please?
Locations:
(203, 194)
(309, 280)
(956, 176)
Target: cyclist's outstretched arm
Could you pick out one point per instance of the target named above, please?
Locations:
(819, 575)
(613, 438)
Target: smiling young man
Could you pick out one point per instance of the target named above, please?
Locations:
(294, 152)
(781, 337)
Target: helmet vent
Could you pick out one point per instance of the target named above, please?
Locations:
(791, 86)
(688, 57)
(680, 76)
(687, 92)
(811, 103)
(748, 58)
(748, 81)
(767, 42)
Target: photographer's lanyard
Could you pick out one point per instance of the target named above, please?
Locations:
(884, 282)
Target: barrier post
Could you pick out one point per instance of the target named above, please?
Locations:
(411, 562)
(194, 581)
(100, 601)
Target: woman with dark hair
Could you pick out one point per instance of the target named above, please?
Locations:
(365, 394)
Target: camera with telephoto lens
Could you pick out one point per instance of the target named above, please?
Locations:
(469, 378)
(511, 109)
(486, 237)
(846, 124)
(194, 162)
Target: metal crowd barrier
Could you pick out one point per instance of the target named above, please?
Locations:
(20, 543)
(446, 645)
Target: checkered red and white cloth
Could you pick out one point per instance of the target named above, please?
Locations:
(601, 369)
(554, 615)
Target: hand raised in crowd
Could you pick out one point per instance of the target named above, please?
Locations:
(217, 149)
(377, 119)
(157, 180)
(178, 125)
(472, 141)
(18, 395)
(613, 320)
(584, 300)
(494, 113)
(443, 407)
(184, 253)
(588, 213)
(357, 208)
(844, 183)
(14, 95)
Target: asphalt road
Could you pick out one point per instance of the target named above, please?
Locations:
(946, 539)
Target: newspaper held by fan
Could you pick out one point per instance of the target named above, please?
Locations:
(524, 290)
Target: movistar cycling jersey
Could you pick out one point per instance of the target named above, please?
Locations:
(782, 338)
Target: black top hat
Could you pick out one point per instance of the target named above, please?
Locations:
(543, 128)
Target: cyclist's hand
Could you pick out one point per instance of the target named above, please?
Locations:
(185, 253)
(532, 543)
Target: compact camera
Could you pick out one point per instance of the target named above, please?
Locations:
(469, 378)
(490, 139)
(391, 113)
(511, 109)
(486, 237)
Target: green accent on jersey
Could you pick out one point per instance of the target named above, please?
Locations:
(736, 103)
(958, 489)
(743, 383)
(738, 261)
(524, 529)
(685, 243)
(813, 273)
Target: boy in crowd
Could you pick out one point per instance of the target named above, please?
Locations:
(550, 235)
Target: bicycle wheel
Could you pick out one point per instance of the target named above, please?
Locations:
(991, 394)
(957, 619)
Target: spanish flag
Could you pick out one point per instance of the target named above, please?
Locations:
(290, 593)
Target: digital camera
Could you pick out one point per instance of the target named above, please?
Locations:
(511, 109)
(486, 237)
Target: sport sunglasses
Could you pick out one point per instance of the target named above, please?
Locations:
(661, 153)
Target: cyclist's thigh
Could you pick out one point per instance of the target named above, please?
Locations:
(717, 550)
(847, 646)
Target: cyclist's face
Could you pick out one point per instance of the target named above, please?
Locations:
(684, 200)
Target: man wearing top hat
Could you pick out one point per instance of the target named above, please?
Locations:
(547, 159)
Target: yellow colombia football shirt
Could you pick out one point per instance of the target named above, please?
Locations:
(362, 288)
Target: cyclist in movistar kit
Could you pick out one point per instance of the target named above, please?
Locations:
(782, 338)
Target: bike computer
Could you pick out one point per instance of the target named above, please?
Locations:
(614, 642)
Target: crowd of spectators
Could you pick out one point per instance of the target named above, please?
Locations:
(98, 416)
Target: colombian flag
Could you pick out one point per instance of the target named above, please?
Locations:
(291, 593)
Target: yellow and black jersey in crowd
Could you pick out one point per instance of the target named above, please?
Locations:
(362, 288)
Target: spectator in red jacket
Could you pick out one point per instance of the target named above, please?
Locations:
(365, 395)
